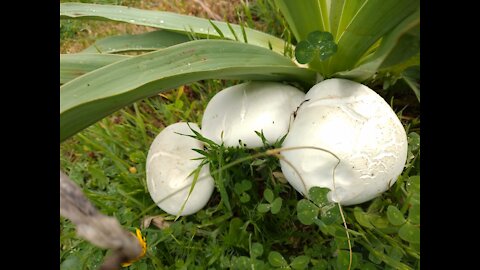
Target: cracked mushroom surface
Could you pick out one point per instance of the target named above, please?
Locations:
(236, 112)
(356, 124)
(170, 161)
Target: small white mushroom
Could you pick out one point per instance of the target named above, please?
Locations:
(235, 113)
(356, 124)
(169, 164)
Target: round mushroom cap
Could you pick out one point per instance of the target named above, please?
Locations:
(169, 164)
(356, 124)
(236, 112)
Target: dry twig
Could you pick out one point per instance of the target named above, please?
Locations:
(102, 231)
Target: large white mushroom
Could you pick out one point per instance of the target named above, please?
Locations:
(356, 124)
(235, 113)
(169, 164)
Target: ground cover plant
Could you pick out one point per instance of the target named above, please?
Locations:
(255, 219)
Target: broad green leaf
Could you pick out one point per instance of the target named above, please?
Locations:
(317, 38)
(410, 233)
(390, 48)
(378, 221)
(406, 46)
(276, 259)
(328, 49)
(341, 14)
(236, 235)
(246, 185)
(304, 17)
(268, 195)
(300, 262)
(362, 217)
(75, 65)
(241, 263)
(263, 207)
(373, 19)
(276, 205)
(395, 252)
(414, 198)
(244, 198)
(324, 44)
(357, 26)
(318, 44)
(149, 41)
(356, 258)
(259, 265)
(413, 141)
(319, 196)
(414, 214)
(99, 93)
(330, 213)
(343, 259)
(395, 216)
(168, 21)
(237, 188)
(304, 52)
(256, 250)
(243, 186)
(307, 212)
(413, 184)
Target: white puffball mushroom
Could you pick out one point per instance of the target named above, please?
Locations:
(169, 164)
(356, 124)
(236, 112)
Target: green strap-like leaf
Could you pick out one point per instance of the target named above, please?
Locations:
(341, 14)
(75, 65)
(411, 76)
(374, 19)
(304, 16)
(149, 41)
(386, 49)
(99, 93)
(168, 21)
(356, 26)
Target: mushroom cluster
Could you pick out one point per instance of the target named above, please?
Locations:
(364, 143)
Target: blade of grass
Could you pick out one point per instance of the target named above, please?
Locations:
(219, 32)
(232, 31)
(244, 34)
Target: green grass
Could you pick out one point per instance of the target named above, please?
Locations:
(254, 216)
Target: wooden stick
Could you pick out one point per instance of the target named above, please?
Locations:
(100, 230)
